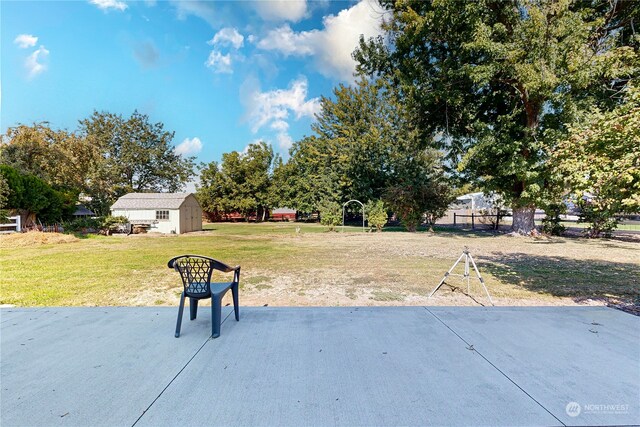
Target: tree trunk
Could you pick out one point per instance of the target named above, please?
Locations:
(523, 220)
(523, 216)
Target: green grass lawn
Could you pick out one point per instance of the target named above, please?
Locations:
(303, 264)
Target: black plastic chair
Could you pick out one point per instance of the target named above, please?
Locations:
(196, 271)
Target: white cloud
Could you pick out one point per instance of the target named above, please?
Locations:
(270, 108)
(189, 146)
(284, 140)
(282, 10)
(280, 125)
(201, 9)
(333, 45)
(34, 64)
(227, 37)
(288, 42)
(275, 108)
(25, 40)
(219, 63)
(109, 4)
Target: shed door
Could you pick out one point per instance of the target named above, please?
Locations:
(194, 219)
(186, 219)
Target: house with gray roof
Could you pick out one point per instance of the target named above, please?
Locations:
(83, 212)
(170, 213)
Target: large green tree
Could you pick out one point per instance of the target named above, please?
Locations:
(29, 195)
(308, 179)
(351, 152)
(495, 81)
(60, 158)
(107, 157)
(136, 156)
(361, 130)
(240, 183)
(363, 145)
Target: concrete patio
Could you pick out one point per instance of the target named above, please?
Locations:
(321, 366)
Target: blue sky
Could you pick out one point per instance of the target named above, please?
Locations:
(220, 74)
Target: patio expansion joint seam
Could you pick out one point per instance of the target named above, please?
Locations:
(178, 374)
(494, 366)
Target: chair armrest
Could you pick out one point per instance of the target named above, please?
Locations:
(224, 267)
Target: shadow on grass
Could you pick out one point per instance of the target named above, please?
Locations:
(544, 241)
(82, 236)
(566, 277)
(444, 230)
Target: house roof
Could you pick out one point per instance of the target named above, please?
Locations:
(81, 210)
(470, 196)
(151, 201)
(283, 211)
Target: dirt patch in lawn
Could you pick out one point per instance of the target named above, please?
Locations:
(34, 238)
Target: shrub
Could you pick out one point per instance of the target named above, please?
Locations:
(377, 214)
(551, 222)
(438, 198)
(109, 224)
(82, 225)
(330, 214)
(412, 202)
(602, 221)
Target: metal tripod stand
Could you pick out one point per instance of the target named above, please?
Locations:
(467, 258)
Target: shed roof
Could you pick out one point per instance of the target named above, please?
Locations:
(151, 201)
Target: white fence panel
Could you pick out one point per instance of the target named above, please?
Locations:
(16, 224)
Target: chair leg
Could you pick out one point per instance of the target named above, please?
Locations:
(216, 315)
(193, 307)
(180, 310)
(236, 305)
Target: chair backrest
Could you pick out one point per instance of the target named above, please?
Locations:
(196, 270)
(196, 274)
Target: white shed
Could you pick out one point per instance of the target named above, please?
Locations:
(161, 212)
